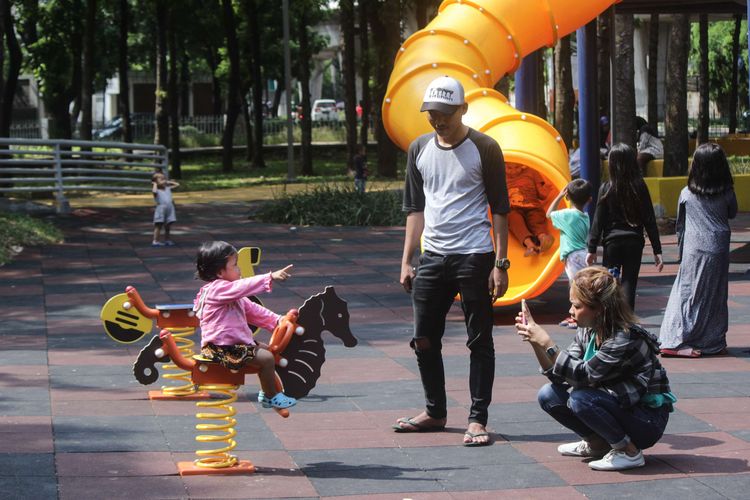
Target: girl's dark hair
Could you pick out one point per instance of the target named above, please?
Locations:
(212, 257)
(709, 173)
(641, 125)
(625, 180)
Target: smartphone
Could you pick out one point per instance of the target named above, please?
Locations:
(523, 312)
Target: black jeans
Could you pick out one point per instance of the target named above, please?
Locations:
(439, 278)
(625, 253)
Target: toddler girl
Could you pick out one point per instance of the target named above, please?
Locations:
(225, 311)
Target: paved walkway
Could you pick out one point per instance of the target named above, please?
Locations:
(75, 424)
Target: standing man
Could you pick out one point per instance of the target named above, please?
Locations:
(452, 176)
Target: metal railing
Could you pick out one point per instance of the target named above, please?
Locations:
(60, 166)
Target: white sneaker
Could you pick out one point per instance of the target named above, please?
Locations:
(618, 460)
(580, 449)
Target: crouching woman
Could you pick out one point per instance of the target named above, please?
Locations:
(608, 386)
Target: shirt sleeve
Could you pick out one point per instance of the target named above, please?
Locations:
(414, 200)
(258, 315)
(560, 218)
(224, 291)
(649, 219)
(732, 205)
(601, 214)
(493, 174)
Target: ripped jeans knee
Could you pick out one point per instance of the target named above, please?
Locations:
(420, 344)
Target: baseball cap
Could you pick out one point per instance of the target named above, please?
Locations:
(443, 94)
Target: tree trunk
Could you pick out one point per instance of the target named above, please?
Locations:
(624, 75)
(653, 65)
(676, 140)
(87, 83)
(364, 11)
(233, 93)
(185, 82)
(703, 79)
(123, 98)
(503, 86)
(173, 99)
(13, 65)
(251, 8)
(160, 109)
(542, 97)
(346, 8)
(305, 157)
(249, 147)
(564, 95)
(604, 32)
(213, 64)
(735, 73)
(385, 28)
(423, 9)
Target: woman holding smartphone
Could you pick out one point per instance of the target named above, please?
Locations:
(608, 386)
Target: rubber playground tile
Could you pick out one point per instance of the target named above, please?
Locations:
(125, 488)
(27, 464)
(126, 464)
(10, 407)
(486, 477)
(729, 486)
(575, 471)
(265, 483)
(732, 462)
(95, 408)
(421, 495)
(295, 440)
(27, 487)
(27, 438)
(682, 423)
(363, 370)
(668, 489)
(363, 472)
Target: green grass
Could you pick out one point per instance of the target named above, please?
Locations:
(18, 230)
(206, 174)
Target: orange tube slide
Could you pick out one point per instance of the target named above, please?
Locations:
(478, 42)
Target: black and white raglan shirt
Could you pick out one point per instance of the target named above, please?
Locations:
(453, 186)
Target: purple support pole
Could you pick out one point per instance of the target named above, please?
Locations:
(588, 122)
(748, 42)
(527, 84)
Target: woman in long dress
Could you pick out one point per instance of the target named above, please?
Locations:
(697, 316)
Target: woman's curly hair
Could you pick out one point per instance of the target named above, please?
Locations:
(598, 289)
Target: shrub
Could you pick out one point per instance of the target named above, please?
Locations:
(17, 230)
(333, 205)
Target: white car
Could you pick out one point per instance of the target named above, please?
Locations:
(324, 110)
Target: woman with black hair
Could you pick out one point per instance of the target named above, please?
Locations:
(697, 317)
(649, 146)
(623, 210)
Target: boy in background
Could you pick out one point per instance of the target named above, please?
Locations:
(573, 224)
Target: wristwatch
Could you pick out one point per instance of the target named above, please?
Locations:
(551, 351)
(503, 264)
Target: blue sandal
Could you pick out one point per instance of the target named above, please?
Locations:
(280, 401)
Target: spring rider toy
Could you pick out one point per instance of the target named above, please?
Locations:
(299, 352)
(127, 319)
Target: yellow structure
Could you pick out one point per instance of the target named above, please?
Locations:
(477, 42)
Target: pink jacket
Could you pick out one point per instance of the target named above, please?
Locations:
(225, 311)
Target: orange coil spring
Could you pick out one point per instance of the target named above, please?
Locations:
(219, 457)
(185, 346)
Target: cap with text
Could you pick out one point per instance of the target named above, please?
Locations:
(444, 94)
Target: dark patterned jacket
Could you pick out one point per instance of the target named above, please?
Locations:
(626, 365)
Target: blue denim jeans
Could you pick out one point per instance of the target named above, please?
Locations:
(592, 412)
(438, 279)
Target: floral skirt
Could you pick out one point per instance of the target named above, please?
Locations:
(233, 357)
